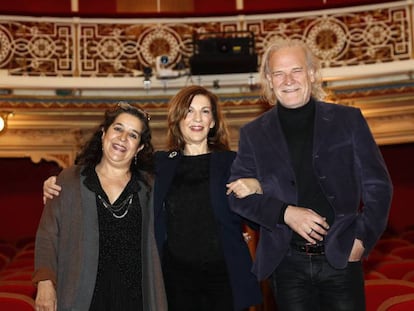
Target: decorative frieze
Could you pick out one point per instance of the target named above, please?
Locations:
(81, 47)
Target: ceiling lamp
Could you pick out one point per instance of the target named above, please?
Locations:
(4, 115)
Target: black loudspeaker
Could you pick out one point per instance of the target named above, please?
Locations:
(219, 64)
(224, 53)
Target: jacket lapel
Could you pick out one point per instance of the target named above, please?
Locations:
(323, 122)
(218, 167)
(273, 130)
(167, 166)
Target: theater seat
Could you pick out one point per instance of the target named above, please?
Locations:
(17, 275)
(409, 276)
(396, 269)
(377, 291)
(8, 250)
(4, 261)
(374, 275)
(408, 235)
(16, 302)
(375, 259)
(398, 303)
(23, 263)
(7, 271)
(18, 287)
(25, 254)
(405, 252)
(24, 242)
(387, 245)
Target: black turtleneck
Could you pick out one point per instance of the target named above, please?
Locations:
(298, 125)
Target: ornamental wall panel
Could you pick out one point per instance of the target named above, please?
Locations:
(34, 48)
(82, 47)
(346, 38)
(366, 53)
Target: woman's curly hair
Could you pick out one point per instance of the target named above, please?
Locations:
(91, 153)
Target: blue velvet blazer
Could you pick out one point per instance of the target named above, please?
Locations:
(245, 287)
(350, 169)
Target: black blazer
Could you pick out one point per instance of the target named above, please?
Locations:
(245, 287)
(350, 169)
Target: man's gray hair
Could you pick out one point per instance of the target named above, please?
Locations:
(312, 61)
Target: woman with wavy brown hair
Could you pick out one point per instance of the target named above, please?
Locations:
(206, 261)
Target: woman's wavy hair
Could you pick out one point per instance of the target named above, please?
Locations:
(218, 137)
(91, 153)
(312, 62)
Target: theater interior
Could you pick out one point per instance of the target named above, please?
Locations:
(63, 63)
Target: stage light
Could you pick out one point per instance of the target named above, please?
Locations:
(4, 116)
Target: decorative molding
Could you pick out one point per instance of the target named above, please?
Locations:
(82, 47)
(56, 132)
(58, 75)
(52, 132)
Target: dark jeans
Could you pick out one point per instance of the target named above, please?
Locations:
(309, 283)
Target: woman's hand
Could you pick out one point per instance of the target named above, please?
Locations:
(46, 296)
(243, 187)
(50, 189)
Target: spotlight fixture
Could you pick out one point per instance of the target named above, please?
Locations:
(251, 82)
(147, 72)
(161, 70)
(4, 115)
(147, 77)
(216, 84)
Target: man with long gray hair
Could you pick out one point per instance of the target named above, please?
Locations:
(325, 190)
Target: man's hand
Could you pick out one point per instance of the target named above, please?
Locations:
(307, 223)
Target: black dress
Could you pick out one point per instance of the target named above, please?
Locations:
(194, 267)
(118, 281)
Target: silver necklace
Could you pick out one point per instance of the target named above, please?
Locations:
(118, 210)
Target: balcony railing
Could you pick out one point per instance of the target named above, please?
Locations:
(96, 54)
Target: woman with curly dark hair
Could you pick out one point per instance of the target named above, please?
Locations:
(95, 246)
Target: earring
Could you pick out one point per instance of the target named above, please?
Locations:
(136, 159)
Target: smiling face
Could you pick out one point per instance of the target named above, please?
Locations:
(198, 121)
(121, 141)
(290, 77)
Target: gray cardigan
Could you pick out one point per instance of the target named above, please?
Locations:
(67, 245)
